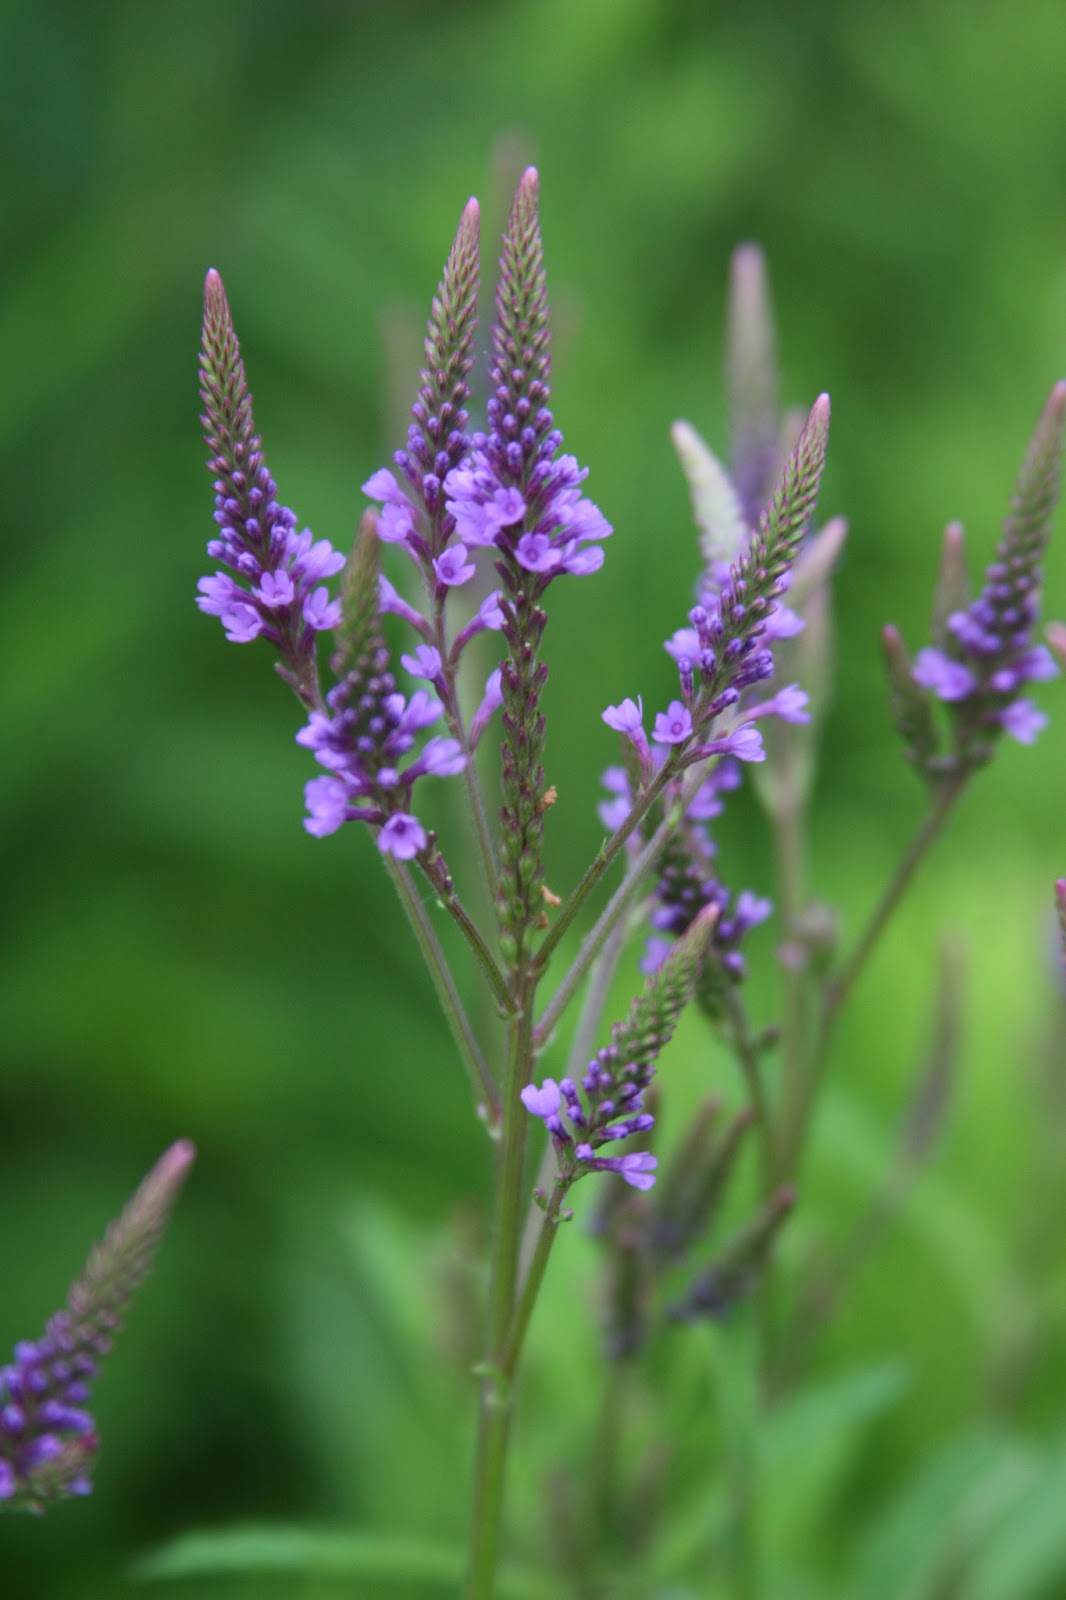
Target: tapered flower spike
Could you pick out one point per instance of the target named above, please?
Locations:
(48, 1438)
(610, 1103)
(983, 653)
(413, 513)
(273, 587)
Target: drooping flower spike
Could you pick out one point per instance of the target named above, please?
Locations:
(48, 1437)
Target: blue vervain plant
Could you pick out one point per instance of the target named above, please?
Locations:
(752, 655)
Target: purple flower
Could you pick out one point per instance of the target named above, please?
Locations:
(628, 719)
(491, 701)
(452, 568)
(1022, 721)
(402, 836)
(744, 743)
(948, 679)
(543, 1102)
(637, 1168)
(674, 725)
(788, 705)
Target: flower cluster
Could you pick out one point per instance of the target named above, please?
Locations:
(281, 595)
(983, 654)
(687, 881)
(610, 1104)
(47, 1436)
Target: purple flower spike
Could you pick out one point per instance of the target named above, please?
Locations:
(413, 512)
(47, 1436)
(256, 537)
(983, 655)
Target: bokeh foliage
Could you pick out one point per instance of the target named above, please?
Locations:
(179, 958)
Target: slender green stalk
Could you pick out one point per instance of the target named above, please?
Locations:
(482, 954)
(794, 1130)
(497, 1389)
(615, 909)
(789, 850)
(481, 1079)
(607, 855)
(747, 1055)
(534, 1277)
(735, 1380)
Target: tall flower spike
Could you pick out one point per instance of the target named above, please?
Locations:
(280, 596)
(519, 496)
(413, 510)
(48, 1438)
(983, 653)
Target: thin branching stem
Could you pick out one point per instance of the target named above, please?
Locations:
(484, 1087)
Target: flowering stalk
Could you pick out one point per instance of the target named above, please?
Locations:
(48, 1437)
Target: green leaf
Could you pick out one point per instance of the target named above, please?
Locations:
(931, 1529)
(325, 1553)
(1026, 1557)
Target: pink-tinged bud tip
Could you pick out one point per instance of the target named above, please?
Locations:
(216, 306)
(785, 1199)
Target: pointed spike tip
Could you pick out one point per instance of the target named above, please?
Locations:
(216, 306)
(819, 417)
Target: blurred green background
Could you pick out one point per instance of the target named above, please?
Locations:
(181, 959)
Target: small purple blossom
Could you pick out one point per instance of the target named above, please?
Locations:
(628, 719)
(402, 836)
(948, 679)
(491, 701)
(452, 568)
(674, 725)
(637, 1169)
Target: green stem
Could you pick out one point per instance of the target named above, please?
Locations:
(614, 910)
(735, 1374)
(838, 988)
(534, 1277)
(481, 1078)
(747, 1055)
(596, 869)
(497, 1387)
(789, 852)
(482, 954)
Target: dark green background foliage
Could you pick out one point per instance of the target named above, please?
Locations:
(180, 958)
